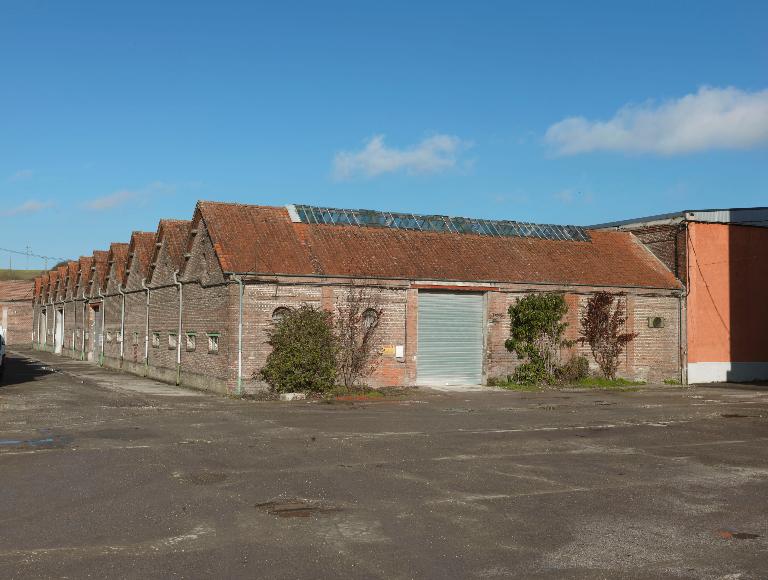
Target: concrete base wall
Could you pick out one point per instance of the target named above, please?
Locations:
(720, 372)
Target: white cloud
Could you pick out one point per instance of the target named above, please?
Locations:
(571, 196)
(31, 206)
(112, 200)
(712, 118)
(431, 155)
(21, 175)
(123, 196)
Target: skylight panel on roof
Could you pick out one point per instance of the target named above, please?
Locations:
(309, 214)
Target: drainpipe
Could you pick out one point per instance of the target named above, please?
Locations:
(53, 326)
(63, 326)
(82, 333)
(74, 327)
(146, 327)
(178, 336)
(121, 290)
(101, 340)
(239, 281)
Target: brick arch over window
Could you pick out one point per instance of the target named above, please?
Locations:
(279, 313)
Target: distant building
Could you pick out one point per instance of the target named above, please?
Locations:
(192, 302)
(16, 310)
(721, 255)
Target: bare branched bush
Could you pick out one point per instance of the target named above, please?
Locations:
(602, 327)
(358, 338)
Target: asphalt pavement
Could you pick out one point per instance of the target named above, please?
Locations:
(105, 475)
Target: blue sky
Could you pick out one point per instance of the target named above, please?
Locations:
(114, 115)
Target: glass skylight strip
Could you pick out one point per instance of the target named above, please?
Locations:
(438, 223)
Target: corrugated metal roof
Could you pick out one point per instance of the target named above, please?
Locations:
(752, 216)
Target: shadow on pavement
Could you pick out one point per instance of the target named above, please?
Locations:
(19, 370)
(751, 386)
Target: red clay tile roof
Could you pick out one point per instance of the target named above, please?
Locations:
(175, 233)
(72, 267)
(142, 246)
(261, 239)
(13, 290)
(53, 277)
(118, 256)
(61, 280)
(45, 280)
(84, 278)
(99, 277)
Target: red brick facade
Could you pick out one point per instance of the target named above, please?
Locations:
(171, 300)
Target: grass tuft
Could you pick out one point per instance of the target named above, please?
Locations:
(603, 383)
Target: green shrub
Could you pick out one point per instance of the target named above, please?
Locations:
(536, 336)
(303, 357)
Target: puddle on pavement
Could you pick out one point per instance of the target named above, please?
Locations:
(294, 508)
(47, 442)
(728, 535)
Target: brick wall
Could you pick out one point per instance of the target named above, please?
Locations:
(17, 319)
(163, 320)
(259, 302)
(112, 318)
(653, 356)
(668, 243)
(205, 313)
(135, 331)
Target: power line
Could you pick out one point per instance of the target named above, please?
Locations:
(29, 254)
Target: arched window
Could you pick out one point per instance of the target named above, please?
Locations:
(370, 318)
(279, 313)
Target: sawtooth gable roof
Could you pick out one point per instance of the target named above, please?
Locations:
(173, 234)
(61, 280)
(118, 257)
(264, 240)
(99, 272)
(45, 281)
(72, 267)
(84, 275)
(140, 253)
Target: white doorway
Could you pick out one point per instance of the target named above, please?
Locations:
(58, 337)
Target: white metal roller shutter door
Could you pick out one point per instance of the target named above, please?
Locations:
(450, 339)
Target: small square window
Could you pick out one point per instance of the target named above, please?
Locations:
(213, 343)
(172, 340)
(109, 336)
(155, 340)
(190, 341)
(119, 336)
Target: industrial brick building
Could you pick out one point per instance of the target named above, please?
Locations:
(721, 256)
(16, 310)
(192, 302)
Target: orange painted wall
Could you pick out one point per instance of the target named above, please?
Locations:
(728, 293)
